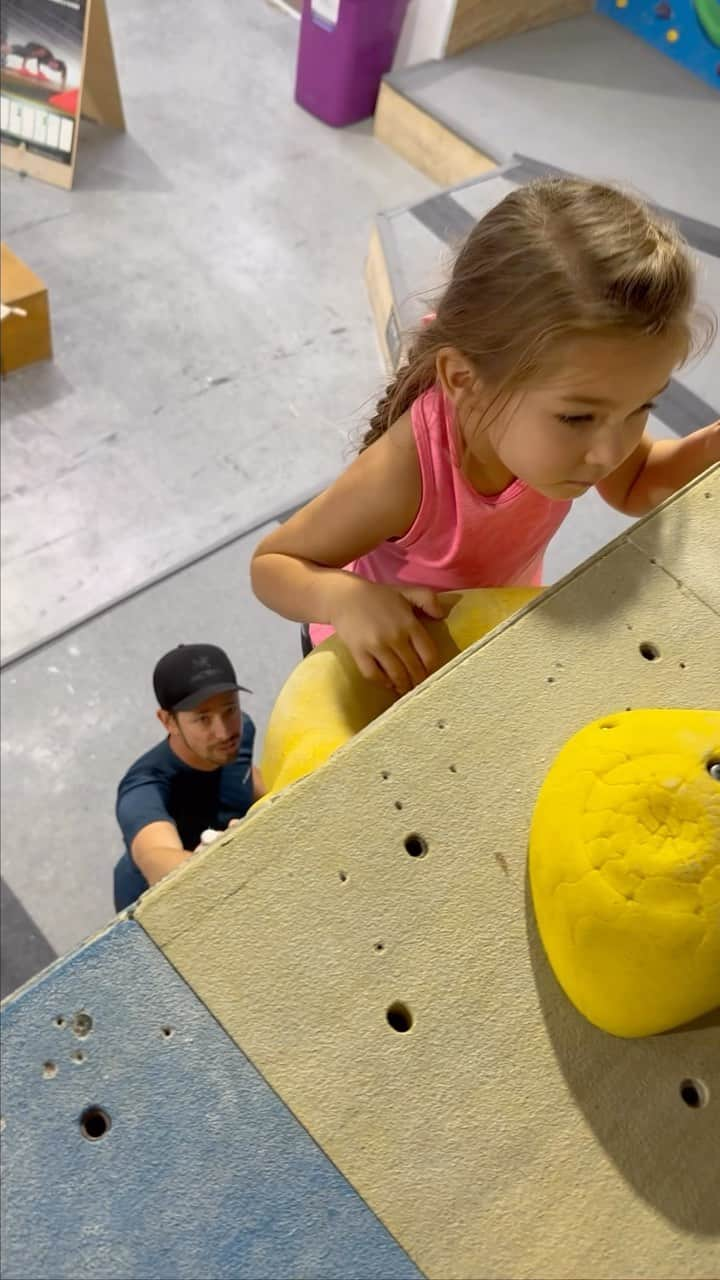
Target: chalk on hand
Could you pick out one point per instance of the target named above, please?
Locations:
(209, 836)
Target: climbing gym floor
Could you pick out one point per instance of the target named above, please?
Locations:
(583, 94)
(213, 345)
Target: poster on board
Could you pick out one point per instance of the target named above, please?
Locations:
(40, 74)
(47, 51)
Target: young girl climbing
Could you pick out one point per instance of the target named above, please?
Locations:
(569, 306)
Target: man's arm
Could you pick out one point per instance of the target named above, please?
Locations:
(157, 850)
(259, 788)
(658, 468)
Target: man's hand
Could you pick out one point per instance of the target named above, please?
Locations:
(381, 628)
(157, 850)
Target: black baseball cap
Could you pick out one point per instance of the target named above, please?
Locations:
(189, 674)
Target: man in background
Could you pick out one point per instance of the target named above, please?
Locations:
(200, 777)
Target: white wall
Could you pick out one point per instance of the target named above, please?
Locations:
(425, 31)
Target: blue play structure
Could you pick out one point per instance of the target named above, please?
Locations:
(686, 30)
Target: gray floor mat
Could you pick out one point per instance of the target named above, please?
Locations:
(588, 96)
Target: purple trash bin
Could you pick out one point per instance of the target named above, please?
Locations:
(346, 46)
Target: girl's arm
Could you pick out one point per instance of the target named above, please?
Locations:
(297, 569)
(658, 468)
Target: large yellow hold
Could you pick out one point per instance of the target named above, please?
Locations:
(625, 869)
(325, 701)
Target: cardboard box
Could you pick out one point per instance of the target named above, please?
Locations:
(23, 338)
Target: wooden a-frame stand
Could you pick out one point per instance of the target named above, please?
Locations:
(99, 100)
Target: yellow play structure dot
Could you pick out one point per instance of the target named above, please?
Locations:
(621, 4)
(625, 869)
(672, 35)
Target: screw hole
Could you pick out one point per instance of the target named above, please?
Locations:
(442, 724)
(78, 1056)
(49, 1070)
(453, 768)
(713, 768)
(94, 1123)
(694, 1093)
(82, 1025)
(385, 775)
(59, 1021)
(682, 666)
(416, 846)
(343, 876)
(399, 1016)
(650, 652)
(398, 805)
(551, 679)
(379, 946)
(168, 1032)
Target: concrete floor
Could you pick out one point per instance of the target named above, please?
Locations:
(213, 342)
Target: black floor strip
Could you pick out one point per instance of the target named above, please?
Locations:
(24, 950)
(682, 411)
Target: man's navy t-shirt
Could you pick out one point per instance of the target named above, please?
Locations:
(161, 788)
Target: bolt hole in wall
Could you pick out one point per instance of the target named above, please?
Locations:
(399, 1017)
(694, 1094)
(94, 1123)
(650, 652)
(416, 846)
(168, 1032)
(49, 1070)
(343, 876)
(82, 1025)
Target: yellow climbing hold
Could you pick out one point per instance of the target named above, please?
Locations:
(672, 35)
(325, 700)
(625, 869)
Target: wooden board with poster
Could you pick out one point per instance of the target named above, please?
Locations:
(57, 64)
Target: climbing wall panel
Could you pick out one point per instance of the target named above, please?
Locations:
(139, 1141)
(367, 942)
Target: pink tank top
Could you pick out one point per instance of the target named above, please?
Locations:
(460, 538)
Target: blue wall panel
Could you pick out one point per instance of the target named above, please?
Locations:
(203, 1172)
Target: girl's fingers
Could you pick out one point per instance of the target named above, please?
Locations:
(412, 661)
(425, 648)
(393, 665)
(372, 670)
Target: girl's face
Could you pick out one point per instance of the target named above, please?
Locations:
(582, 417)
